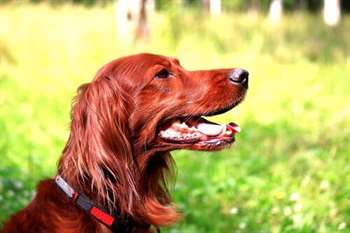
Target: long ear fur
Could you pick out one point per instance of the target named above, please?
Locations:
(158, 207)
(98, 151)
(98, 158)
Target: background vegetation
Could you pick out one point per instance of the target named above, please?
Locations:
(289, 169)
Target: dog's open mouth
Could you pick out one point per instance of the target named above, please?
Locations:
(199, 132)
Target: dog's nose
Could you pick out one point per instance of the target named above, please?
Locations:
(239, 77)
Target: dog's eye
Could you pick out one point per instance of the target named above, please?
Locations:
(163, 73)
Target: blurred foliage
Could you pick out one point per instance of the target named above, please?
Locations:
(289, 169)
(5, 54)
(227, 5)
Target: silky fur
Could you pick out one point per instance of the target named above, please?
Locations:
(113, 154)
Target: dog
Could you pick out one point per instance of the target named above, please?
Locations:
(112, 174)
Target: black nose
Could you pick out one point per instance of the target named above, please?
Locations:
(239, 77)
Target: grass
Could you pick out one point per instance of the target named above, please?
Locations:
(288, 171)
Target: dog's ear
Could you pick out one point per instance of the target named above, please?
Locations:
(98, 151)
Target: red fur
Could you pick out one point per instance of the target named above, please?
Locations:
(113, 154)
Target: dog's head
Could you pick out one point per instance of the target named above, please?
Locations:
(166, 102)
(135, 110)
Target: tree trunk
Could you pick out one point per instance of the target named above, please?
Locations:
(213, 7)
(141, 31)
(331, 12)
(254, 6)
(132, 19)
(206, 6)
(275, 11)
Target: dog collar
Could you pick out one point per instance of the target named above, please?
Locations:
(114, 222)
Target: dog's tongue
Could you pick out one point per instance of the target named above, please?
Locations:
(233, 127)
(210, 129)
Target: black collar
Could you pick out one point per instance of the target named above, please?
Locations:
(115, 222)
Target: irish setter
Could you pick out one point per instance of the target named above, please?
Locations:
(112, 173)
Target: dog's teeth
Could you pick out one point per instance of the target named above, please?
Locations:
(192, 129)
(176, 124)
(183, 125)
(172, 133)
(228, 132)
(164, 133)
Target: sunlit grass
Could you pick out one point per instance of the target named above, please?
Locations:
(288, 171)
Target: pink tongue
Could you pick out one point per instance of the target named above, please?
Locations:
(210, 129)
(234, 127)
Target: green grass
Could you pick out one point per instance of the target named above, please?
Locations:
(289, 169)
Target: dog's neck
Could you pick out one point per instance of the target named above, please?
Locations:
(146, 200)
(113, 221)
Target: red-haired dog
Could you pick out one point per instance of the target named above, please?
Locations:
(112, 173)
